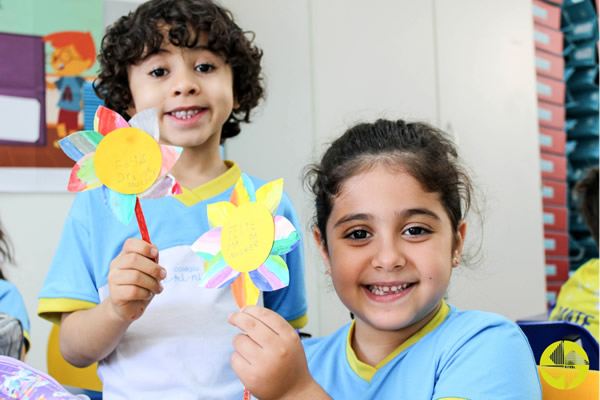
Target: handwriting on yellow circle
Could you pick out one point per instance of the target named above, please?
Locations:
(564, 364)
(247, 237)
(128, 160)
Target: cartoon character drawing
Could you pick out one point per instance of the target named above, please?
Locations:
(74, 53)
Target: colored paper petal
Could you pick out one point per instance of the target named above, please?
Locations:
(83, 175)
(218, 213)
(244, 291)
(163, 187)
(269, 195)
(106, 121)
(170, 155)
(286, 236)
(208, 245)
(79, 144)
(272, 275)
(239, 195)
(122, 206)
(218, 275)
(147, 121)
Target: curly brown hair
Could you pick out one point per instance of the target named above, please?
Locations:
(134, 37)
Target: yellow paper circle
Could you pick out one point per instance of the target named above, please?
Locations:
(128, 160)
(247, 237)
(572, 359)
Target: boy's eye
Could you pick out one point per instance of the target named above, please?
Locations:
(358, 234)
(158, 72)
(416, 231)
(204, 67)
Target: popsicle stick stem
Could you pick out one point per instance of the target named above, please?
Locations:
(139, 215)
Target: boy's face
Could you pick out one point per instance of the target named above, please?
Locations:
(191, 90)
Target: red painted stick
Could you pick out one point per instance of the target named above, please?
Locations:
(139, 215)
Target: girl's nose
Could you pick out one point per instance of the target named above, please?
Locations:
(185, 84)
(389, 255)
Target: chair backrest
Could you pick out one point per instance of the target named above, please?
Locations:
(65, 373)
(11, 336)
(541, 334)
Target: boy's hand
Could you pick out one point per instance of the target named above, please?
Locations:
(134, 278)
(269, 358)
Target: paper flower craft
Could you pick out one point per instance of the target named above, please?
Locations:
(125, 159)
(244, 247)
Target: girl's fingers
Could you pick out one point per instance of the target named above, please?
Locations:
(269, 318)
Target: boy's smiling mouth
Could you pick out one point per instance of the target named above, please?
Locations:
(186, 113)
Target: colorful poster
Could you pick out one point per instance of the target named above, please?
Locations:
(48, 51)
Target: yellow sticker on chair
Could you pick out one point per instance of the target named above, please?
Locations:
(128, 160)
(247, 237)
(570, 364)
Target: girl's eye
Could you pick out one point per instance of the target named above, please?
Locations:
(158, 72)
(204, 68)
(358, 234)
(416, 231)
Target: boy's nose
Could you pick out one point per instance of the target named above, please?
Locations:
(185, 84)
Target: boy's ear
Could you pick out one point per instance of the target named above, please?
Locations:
(131, 111)
(322, 248)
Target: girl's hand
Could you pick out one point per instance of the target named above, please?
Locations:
(134, 278)
(269, 358)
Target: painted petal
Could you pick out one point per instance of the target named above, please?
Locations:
(120, 205)
(83, 175)
(286, 236)
(208, 245)
(218, 213)
(79, 144)
(106, 121)
(163, 187)
(269, 194)
(147, 121)
(272, 275)
(170, 155)
(218, 275)
(240, 195)
(244, 291)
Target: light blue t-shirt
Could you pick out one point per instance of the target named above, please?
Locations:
(458, 354)
(181, 346)
(11, 303)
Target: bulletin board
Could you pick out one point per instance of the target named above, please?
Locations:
(48, 51)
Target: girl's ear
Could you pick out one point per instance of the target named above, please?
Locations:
(322, 248)
(461, 232)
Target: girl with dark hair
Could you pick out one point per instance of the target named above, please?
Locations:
(391, 201)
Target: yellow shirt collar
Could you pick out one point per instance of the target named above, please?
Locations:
(367, 371)
(212, 188)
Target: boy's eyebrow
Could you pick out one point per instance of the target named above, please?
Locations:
(402, 215)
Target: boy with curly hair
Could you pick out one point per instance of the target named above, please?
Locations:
(155, 333)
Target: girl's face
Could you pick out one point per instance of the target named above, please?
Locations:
(390, 251)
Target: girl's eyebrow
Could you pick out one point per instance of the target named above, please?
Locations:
(419, 211)
(402, 215)
(353, 217)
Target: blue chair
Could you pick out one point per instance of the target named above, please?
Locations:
(541, 334)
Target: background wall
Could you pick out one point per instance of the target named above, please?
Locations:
(463, 65)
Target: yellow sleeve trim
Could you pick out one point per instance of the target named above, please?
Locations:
(299, 323)
(27, 340)
(452, 398)
(52, 309)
